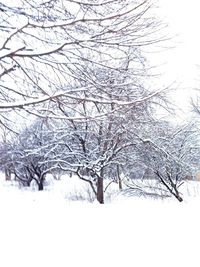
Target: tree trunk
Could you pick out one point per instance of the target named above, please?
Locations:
(41, 185)
(100, 191)
(28, 183)
(177, 195)
(180, 199)
(119, 178)
(7, 174)
(172, 187)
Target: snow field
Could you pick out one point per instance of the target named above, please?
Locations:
(46, 229)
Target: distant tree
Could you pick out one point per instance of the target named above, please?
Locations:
(171, 154)
(5, 165)
(29, 155)
(5, 146)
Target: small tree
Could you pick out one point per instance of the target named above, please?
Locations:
(170, 155)
(30, 155)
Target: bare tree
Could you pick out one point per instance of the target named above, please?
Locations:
(5, 145)
(171, 155)
(46, 47)
(95, 147)
(28, 155)
(81, 62)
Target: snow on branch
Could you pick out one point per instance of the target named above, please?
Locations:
(22, 104)
(85, 20)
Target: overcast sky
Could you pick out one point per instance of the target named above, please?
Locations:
(183, 18)
(181, 62)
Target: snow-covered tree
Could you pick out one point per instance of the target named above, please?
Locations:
(80, 63)
(95, 146)
(170, 154)
(28, 156)
(50, 51)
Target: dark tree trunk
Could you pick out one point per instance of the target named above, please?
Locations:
(172, 187)
(119, 178)
(180, 199)
(177, 195)
(40, 186)
(28, 183)
(100, 191)
(7, 174)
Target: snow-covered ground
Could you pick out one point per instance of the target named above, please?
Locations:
(48, 229)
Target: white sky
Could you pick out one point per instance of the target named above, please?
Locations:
(184, 19)
(181, 63)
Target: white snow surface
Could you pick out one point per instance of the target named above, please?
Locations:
(47, 228)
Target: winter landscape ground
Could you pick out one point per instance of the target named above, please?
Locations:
(48, 229)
